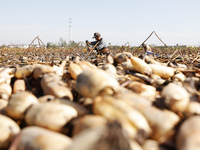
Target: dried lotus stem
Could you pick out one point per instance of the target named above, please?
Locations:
(109, 137)
(110, 69)
(134, 145)
(142, 77)
(88, 121)
(53, 85)
(192, 109)
(127, 65)
(5, 91)
(81, 142)
(151, 61)
(176, 97)
(46, 98)
(6, 71)
(19, 103)
(180, 77)
(8, 129)
(162, 71)
(102, 108)
(113, 138)
(150, 145)
(6, 74)
(25, 70)
(86, 65)
(19, 85)
(140, 66)
(45, 114)
(157, 81)
(120, 57)
(40, 138)
(60, 69)
(40, 70)
(119, 109)
(131, 113)
(189, 133)
(3, 105)
(163, 127)
(74, 70)
(6, 79)
(109, 59)
(92, 81)
(82, 111)
(144, 90)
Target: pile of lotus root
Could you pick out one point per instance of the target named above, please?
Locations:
(114, 102)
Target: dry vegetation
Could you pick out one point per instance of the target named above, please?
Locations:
(19, 56)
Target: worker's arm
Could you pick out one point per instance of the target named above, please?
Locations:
(87, 42)
(93, 43)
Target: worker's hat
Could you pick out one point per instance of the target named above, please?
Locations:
(96, 34)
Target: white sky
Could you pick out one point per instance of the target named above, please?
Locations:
(119, 21)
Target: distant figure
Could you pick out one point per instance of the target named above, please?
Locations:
(147, 52)
(147, 49)
(101, 46)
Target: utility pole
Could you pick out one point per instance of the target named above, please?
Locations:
(70, 25)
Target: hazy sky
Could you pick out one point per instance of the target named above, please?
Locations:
(119, 21)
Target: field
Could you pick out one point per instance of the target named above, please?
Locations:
(71, 100)
(19, 56)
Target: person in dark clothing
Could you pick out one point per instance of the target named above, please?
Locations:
(147, 48)
(101, 47)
